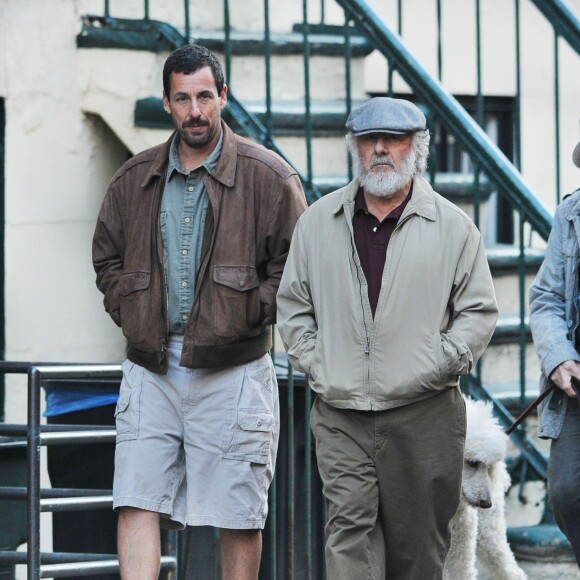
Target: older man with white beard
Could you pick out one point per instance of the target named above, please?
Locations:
(386, 299)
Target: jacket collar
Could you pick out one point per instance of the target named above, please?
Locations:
(574, 208)
(225, 172)
(159, 165)
(422, 200)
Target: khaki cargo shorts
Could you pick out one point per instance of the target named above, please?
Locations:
(198, 446)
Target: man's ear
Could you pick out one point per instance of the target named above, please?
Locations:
(224, 97)
(166, 103)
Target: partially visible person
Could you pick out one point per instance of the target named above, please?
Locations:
(555, 324)
(189, 249)
(83, 466)
(386, 299)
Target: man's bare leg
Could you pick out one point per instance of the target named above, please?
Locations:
(139, 544)
(241, 551)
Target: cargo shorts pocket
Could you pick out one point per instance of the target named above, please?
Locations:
(127, 411)
(253, 425)
(252, 437)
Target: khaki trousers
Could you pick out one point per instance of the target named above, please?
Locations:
(392, 482)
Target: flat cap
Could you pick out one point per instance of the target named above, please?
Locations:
(576, 155)
(386, 115)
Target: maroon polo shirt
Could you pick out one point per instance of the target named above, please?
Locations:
(371, 238)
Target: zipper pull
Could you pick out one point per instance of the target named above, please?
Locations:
(163, 348)
(367, 348)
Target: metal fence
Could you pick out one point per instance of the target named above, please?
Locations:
(293, 537)
(56, 565)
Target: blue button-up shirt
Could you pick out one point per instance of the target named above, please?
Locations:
(182, 219)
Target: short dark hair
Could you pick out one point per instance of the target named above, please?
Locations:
(189, 59)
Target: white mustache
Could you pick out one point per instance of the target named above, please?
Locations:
(382, 161)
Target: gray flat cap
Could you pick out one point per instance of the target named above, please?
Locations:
(386, 115)
(576, 155)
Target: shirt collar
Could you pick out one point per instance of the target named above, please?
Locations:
(209, 164)
(360, 204)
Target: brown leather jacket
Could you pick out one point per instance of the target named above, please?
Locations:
(255, 199)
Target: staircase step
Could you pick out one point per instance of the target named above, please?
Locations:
(248, 67)
(507, 330)
(288, 117)
(501, 363)
(503, 259)
(504, 264)
(253, 44)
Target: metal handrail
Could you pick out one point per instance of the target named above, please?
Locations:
(471, 135)
(39, 501)
(563, 20)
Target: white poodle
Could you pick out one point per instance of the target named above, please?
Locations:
(479, 526)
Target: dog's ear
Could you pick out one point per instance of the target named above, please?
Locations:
(499, 475)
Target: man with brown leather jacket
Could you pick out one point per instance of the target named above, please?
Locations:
(189, 249)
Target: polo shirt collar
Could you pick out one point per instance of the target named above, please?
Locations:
(360, 204)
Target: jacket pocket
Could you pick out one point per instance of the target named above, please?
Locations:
(236, 300)
(134, 304)
(417, 367)
(440, 357)
(127, 412)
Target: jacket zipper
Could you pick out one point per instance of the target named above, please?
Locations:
(163, 305)
(367, 346)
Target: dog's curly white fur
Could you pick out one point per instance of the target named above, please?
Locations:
(479, 526)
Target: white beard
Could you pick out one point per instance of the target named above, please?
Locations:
(385, 182)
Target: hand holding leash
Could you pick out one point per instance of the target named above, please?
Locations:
(575, 389)
(564, 374)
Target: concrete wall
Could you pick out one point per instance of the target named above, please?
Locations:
(58, 163)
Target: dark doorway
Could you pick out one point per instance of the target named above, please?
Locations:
(498, 122)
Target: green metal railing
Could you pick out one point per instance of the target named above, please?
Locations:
(319, 38)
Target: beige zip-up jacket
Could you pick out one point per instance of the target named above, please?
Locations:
(435, 315)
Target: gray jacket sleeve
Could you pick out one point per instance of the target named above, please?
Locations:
(473, 309)
(296, 320)
(548, 319)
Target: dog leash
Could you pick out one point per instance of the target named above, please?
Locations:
(530, 408)
(538, 400)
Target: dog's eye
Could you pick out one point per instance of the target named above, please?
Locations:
(474, 464)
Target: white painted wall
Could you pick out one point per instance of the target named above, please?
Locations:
(58, 163)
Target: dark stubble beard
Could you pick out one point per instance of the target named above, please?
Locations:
(197, 141)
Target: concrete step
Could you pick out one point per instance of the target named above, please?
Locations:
(503, 260)
(500, 364)
(326, 64)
